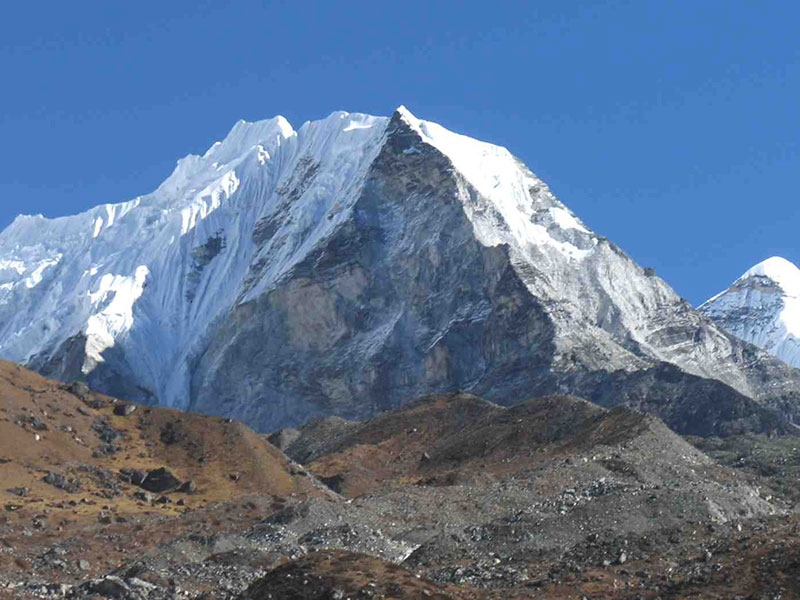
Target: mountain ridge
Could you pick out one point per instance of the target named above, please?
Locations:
(345, 268)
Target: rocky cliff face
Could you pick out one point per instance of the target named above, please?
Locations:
(763, 308)
(346, 268)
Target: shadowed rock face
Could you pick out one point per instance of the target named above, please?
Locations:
(396, 304)
(403, 300)
(346, 275)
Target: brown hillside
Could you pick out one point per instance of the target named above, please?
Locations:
(86, 443)
(339, 574)
(446, 432)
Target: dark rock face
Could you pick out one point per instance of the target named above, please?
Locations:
(397, 304)
(114, 376)
(689, 404)
(373, 324)
(124, 410)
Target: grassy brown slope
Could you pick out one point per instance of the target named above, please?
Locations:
(461, 433)
(45, 428)
(339, 574)
(395, 444)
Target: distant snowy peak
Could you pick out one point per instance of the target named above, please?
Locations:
(780, 271)
(763, 307)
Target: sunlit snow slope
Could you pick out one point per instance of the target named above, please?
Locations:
(763, 307)
(344, 268)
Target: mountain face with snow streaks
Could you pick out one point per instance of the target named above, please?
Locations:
(763, 307)
(346, 268)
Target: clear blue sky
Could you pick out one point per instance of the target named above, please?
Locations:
(670, 127)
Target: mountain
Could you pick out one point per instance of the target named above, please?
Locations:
(763, 308)
(354, 264)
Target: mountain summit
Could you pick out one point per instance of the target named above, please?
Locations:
(349, 266)
(763, 307)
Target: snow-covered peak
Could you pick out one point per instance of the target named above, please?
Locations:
(763, 307)
(189, 244)
(779, 270)
(195, 171)
(523, 213)
(246, 135)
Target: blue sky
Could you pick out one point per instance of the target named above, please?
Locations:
(673, 128)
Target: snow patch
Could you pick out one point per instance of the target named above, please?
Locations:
(262, 155)
(353, 125)
(98, 227)
(564, 219)
(115, 296)
(13, 265)
(496, 175)
(209, 200)
(35, 278)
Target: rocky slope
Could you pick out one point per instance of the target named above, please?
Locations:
(763, 307)
(348, 267)
(116, 460)
(452, 497)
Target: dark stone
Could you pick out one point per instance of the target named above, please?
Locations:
(188, 487)
(172, 433)
(144, 496)
(160, 481)
(78, 389)
(95, 403)
(123, 410)
(132, 476)
(37, 424)
(334, 483)
(110, 587)
(104, 431)
(62, 482)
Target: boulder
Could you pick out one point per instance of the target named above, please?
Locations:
(160, 481)
(123, 410)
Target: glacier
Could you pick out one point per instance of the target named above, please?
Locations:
(763, 307)
(347, 267)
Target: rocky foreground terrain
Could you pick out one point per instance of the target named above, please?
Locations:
(450, 497)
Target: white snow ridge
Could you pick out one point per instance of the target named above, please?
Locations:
(763, 307)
